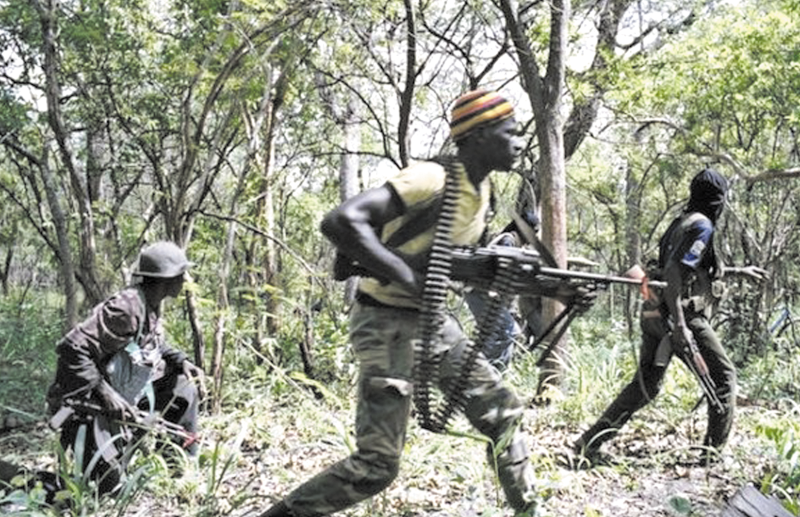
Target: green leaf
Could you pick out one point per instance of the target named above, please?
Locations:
(680, 505)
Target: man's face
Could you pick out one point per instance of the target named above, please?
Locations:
(175, 285)
(501, 144)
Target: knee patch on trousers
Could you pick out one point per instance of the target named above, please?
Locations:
(400, 386)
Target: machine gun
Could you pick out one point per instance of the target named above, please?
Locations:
(479, 266)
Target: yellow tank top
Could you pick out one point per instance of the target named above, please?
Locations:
(419, 186)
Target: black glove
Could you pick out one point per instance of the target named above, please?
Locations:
(584, 299)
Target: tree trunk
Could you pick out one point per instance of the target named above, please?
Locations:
(64, 251)
(348, 174)
(7, 267)
(47, 16)
(545, 95)
(223, 312)
(253, 127)
(307, 343)
(584, 111)
(633, 241)
(198, 345)
(217, 354)
(270, 257)
(554, 235)
(88, 272)
(407, 95)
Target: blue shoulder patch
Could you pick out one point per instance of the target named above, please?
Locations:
(700, 234)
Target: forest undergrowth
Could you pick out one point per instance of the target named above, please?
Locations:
(275, 431)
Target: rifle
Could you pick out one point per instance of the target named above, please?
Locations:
(691, 356)
(478, 266)
(143, 419)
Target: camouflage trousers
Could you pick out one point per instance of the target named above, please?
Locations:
(649, 377)
(382, 340)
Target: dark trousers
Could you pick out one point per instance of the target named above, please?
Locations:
(649, 377)
(102, 447)
(383, 342)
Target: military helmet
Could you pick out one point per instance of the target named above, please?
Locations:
(162, 259)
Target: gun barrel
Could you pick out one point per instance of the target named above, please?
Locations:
(478, 266)
(581, 275)
(145, 419)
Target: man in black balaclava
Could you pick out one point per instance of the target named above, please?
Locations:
(678, 313)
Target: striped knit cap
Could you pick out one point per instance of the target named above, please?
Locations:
(475, 109)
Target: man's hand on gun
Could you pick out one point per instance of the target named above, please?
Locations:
(115, 404)
(584, 298)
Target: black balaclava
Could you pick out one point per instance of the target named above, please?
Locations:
(707, 194)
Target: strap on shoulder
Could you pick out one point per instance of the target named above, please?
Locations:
(146, 317)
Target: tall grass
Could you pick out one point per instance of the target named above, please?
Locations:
(278, 427)
(30, 326)
(782, 430)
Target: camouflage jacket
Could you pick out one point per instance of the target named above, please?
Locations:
(115, 327)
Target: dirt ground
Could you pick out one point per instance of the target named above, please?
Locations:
(653, 471)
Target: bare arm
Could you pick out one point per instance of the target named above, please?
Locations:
(351, 227)
(753, 272)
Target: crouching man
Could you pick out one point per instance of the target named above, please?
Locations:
(116, 377)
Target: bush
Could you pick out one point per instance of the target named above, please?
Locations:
(30, 327)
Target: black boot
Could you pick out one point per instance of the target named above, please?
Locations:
(278, 510)
(8, 471)
(51, 483)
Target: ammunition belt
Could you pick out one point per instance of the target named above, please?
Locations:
(434, 299)
(434, 410)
